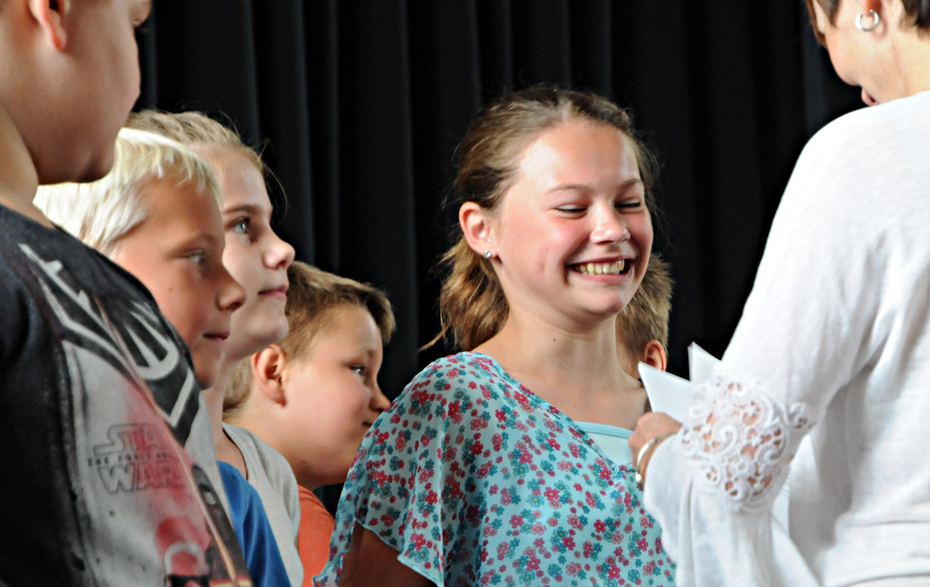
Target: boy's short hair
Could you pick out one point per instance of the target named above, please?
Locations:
(197, 130)
(645, 318)
(101, 212)
(311, 296)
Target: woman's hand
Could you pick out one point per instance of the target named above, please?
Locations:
(650, 425)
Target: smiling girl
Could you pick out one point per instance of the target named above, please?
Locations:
(481, 472)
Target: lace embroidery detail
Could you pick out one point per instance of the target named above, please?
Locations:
(743, 439)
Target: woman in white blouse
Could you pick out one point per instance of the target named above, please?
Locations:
(834, 343)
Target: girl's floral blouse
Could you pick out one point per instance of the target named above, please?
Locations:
(475, 480)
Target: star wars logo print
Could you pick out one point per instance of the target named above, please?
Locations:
(134, 460)
(129, 335)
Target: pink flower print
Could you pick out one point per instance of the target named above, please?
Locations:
(599, 526)
(502, 550)
(552, 494)
(505, 497)
(478, 424)
(516, 521)
(418, 541)
(477, 448)
(533, 563)
(455, 412)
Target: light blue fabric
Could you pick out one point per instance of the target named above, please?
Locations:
(475, 480)
(610, 439)
(253, 530)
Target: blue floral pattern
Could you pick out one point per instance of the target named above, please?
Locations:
(475, 480)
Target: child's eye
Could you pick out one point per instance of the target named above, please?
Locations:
(571, 209)
(630, 204)
(359, 369)
(240, 226)
(198, 257)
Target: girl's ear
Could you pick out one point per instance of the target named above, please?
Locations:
(50, 14)
(268, 373)
(477, 227)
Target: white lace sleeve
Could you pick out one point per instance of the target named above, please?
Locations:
(742, 440)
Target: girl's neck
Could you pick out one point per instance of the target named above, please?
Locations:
(576, 371)
(18, 177)
(226, 449)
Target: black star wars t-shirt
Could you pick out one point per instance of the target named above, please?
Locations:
(107, 464)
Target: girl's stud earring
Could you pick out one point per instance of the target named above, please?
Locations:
(487, 254)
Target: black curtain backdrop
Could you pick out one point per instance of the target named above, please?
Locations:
(359, 104)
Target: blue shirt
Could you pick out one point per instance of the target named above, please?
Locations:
(253, 530)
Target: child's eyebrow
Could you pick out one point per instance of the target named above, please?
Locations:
(250, 209)
(195, 239)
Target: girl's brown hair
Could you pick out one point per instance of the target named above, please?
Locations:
(472, 303)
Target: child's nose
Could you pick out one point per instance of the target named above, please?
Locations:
(379, 401)
(280, 253)
(609, 227)
(232, 295)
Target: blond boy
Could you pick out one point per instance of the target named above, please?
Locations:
(314, 395)
(109, 473)
(157, 214)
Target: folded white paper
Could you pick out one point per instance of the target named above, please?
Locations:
(671, 394)
(666, 392)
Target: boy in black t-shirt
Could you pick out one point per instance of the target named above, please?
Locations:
(109, 475)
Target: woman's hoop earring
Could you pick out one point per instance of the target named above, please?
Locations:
(875, 22)
(487, 254)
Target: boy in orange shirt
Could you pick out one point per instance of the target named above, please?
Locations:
(314, 395)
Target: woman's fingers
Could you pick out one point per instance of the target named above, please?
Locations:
(649, 426)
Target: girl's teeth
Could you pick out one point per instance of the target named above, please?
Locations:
(602, 268)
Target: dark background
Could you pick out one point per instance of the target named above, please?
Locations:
(358, 105)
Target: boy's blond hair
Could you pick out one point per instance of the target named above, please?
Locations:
(196, 130)
(102, 212)
(645, 318)
(311, 296)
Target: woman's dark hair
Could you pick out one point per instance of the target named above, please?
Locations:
(917, 13)
(472, 303)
